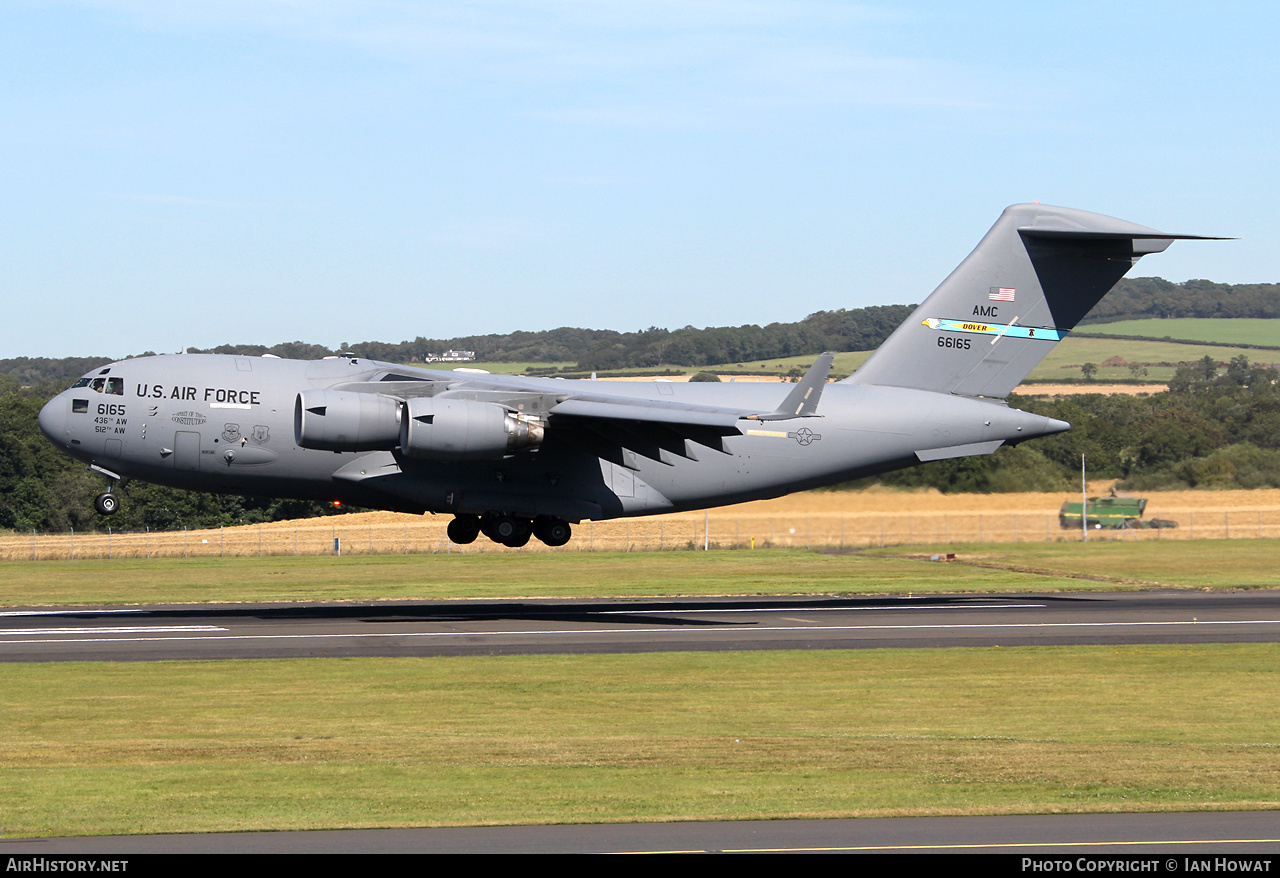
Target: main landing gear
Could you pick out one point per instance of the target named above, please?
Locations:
(509, 530)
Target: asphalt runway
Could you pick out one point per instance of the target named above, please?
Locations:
(227, 631)
(1163, 840)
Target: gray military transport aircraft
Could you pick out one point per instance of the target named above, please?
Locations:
(512, 457)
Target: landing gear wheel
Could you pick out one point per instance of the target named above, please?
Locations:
(505, 527)
(520, 539)
(464, 529)
(106, 504)
(508, 530)
(552, 531)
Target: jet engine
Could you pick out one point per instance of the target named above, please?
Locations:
(338, 420)
(460, 429)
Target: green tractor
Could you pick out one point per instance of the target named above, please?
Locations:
(1116, 513)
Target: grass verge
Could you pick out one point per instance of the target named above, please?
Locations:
(222, 746)
(991, 567)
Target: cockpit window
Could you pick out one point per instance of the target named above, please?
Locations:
(115, 386)
(83, 382)
(97, 384)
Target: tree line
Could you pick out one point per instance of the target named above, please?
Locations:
(1148, 297)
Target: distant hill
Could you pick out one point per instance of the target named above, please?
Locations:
(1253, 332)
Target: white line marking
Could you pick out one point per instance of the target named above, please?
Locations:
(994, 844)
(132, 629)
(71, 612)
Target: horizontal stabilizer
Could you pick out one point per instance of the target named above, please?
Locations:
(1093, 235)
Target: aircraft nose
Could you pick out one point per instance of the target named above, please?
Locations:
(53, 420)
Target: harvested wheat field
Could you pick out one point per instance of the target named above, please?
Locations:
(1078, 389)
(820, 519)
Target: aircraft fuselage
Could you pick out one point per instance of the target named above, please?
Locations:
(227, 424)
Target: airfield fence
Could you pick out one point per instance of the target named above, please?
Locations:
(830, 531)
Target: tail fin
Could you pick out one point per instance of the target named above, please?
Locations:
(1024, 287)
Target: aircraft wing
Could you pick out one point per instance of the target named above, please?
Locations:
(801, 402)
(575, 404)
(623, 427)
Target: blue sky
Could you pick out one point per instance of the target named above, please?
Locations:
(256, 172)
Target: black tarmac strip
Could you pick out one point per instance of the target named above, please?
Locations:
(1167, 842)
(229, 631)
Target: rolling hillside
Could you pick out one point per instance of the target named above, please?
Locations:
(1261, 332)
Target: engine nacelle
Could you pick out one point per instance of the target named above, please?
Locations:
(461, 429)
(340, 420)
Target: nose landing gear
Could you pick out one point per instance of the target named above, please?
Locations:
(107, 503)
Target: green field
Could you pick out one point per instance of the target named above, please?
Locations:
(1066, 566)
(1160, 358)
(330, 743)
(1065, 360)
(500, 368)
(1225, 331)
(845, 362)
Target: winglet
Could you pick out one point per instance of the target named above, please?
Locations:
(802, 401)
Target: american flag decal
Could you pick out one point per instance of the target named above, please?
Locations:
(1001, 294)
